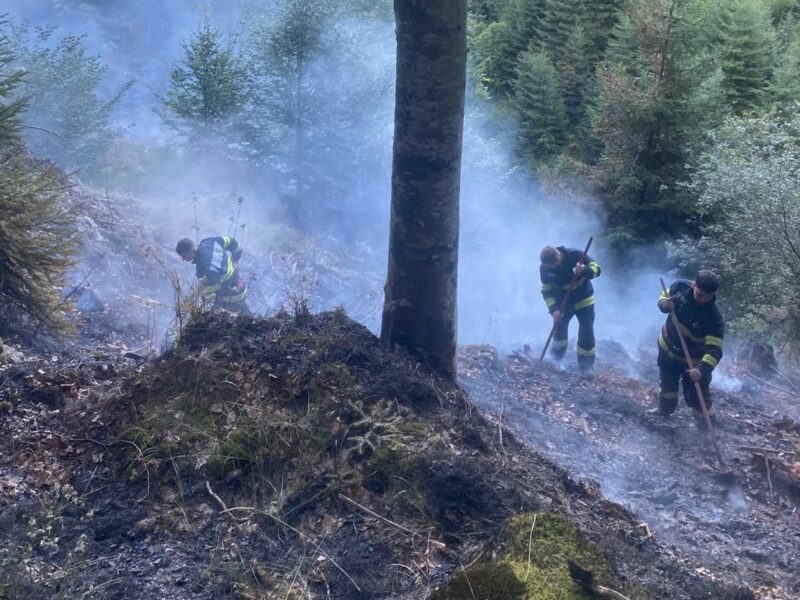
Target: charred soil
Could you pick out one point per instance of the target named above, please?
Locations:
(663, 470)
(292, 457)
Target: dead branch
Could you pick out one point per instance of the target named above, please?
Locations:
(585, 580)
(530, 547)
(769, 476)
(374, 514)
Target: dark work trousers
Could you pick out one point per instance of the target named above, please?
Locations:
(586, 347)
(672, 373)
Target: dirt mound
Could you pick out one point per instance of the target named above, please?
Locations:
(292, 457)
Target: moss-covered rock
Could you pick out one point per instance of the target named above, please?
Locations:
(493, 581)
(533, 565)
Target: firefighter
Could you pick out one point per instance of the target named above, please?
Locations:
(700, 321)
(559, 266)
(216, 261)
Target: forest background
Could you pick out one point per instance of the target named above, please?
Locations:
(674, 120)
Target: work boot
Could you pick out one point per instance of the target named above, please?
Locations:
(587, 371)
(559, 360)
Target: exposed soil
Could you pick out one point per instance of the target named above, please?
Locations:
(292, 457)
(664, 470)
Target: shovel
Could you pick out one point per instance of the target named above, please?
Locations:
(565, 300)
(725, 475)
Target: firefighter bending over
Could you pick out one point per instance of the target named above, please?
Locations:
(700, 321)
(558, 265)
(216, 260)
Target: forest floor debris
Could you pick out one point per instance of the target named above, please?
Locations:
(663, 470)
(289, 457)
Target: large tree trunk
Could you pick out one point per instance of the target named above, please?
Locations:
(419, 311)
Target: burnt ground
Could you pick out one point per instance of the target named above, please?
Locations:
(664, 470)
(292, 457)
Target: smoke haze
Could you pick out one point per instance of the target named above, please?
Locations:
(506, 216)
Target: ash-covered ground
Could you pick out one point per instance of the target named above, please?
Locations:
(664, 470)
(293, 457)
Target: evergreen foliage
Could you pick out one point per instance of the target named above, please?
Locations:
(599, 21)
(67, 120)
(283, 56)
(559, 20)
(313, 67)
(746, 42)
(496, 59)
(207, 91)
(784, 89)
(539, 101)
(37, 232)
(577, 76)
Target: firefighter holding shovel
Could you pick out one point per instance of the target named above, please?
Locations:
(698, 320)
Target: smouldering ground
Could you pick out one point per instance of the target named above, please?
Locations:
(663, 470)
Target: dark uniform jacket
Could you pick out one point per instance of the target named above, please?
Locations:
(215, 261)
(702, 327)
(555, 281)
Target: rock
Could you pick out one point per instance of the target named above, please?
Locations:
(9, 355)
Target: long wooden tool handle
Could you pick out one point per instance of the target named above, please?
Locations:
(697, 388)
(565, 299)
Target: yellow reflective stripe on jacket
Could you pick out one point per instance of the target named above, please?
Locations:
(662, 343)
(210, 289)
(584, 303)
(226, 241)
(688, 334)
(595, 268)
(664, 295)
(709, 360)
(550, 301)
(229, 273)
(713, 341)
(546, 287)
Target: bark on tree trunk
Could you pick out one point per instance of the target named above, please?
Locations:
(419, 311)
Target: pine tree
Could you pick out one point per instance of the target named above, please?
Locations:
(207, 91)
(525, 18)
(746, 54)
(577, 76)
(498, 47)
(539, 102)
(784, 90)
(496, 58)
(559, 19)
(289, 86)
(600, 18)
(69, 121)
(10, 107)
(642, 123)
(37, 230)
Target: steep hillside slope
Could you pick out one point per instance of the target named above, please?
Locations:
(292, 457)
(664, 470)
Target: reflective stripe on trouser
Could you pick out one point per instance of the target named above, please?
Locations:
(673, 374)
(232, 298)
(586, 345)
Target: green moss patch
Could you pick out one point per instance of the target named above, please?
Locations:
(533, 565)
